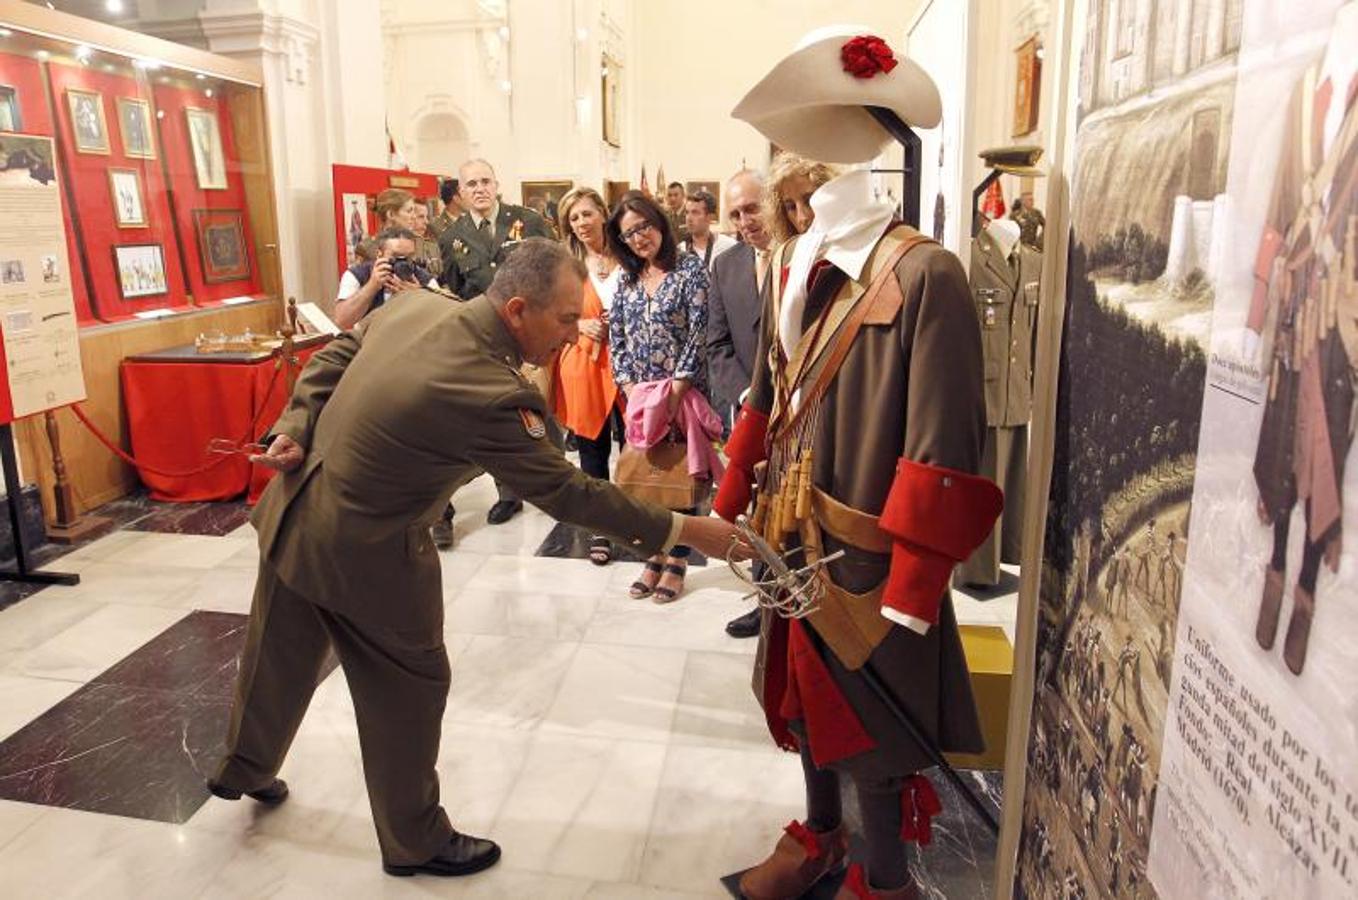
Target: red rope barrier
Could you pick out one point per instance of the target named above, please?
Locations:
(164, 473)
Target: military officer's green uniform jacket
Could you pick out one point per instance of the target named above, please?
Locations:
(420, 398)
(471, 255)
(1006, 293)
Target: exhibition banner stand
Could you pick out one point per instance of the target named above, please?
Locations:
(38, 337)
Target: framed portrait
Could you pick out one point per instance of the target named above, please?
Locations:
(221, 244)
(134, 123)
(129, 204)
(205, 140)
(141, 270)
(10, 120)
(611, 87)
(542, 197)
(88, 125)
(711, 187)
(1027, 87)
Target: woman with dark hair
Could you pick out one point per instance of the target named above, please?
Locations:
(656, 332)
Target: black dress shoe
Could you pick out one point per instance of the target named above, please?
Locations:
(503, 511)
(464, 855)
(744, 626)
(272, 795)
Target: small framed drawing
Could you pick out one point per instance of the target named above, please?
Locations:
(1027, 87)
(221, 244)
(141, 270)
(88, 125)
(10, 120)
(134, 122)
(205, 140)
(129, 206)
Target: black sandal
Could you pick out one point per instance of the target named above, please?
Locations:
(665, 595)
(640, 588)
(600, 550)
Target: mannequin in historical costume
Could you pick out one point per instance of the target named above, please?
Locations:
(865, 421)
(1006, 284)
(1305, 310)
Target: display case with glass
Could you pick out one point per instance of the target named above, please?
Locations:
(161, 162)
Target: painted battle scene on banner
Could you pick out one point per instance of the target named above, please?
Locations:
(1194, 719)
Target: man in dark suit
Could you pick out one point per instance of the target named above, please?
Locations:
(473, 248)
(733, 310)
(387, 421)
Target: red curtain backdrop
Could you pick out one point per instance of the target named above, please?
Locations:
(363, 180)
(174, 136)
(24, 75)
(231, 401)
(88, 173)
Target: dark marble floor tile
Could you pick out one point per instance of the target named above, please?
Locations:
(215, 519)
(197, 655)
(571, 542)
(118, 750)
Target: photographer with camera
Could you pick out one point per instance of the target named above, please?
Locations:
(366, 286)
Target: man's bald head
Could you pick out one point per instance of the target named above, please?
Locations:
(745, 207)
(478, 186)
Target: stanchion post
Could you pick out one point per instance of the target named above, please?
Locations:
(14, 496)
(288, 352)
(69, 526)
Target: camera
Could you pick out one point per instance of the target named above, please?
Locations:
(403, 267)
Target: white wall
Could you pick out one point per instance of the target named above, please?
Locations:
(699, 57)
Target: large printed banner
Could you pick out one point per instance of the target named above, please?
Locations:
(1195, 718)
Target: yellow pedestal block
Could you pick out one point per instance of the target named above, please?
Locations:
(991, 661)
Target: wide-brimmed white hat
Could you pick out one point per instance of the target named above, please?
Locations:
(813, 103)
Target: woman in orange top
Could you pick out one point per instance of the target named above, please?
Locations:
(586, 396)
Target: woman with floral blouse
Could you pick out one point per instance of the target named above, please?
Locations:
(656, 331)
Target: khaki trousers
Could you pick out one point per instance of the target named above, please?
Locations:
(1004, 462)
(399, 684)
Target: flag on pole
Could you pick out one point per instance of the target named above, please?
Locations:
(395, 160)
(645, 187)
(660, 179)
(993, 202)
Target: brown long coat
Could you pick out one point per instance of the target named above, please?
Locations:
(911, 388)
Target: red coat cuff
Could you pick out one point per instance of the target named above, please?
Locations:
(746, 447)
(733, 496)
(936, 517)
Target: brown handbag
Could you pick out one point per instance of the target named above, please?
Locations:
(658, 475)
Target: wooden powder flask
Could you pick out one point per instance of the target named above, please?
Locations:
(804, 486)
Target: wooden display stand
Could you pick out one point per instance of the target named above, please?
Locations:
(68, 526)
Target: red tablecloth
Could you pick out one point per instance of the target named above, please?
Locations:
(174, 409)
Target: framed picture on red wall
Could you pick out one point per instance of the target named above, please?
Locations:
(221, 244)
(141, 270)
(10, 119)
(134, 123)
(205, 140)
(129, 205)
(87, 121)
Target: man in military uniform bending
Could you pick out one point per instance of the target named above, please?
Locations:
(385, 423)
(474, 247)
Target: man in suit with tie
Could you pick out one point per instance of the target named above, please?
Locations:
(473, 248)
(733, 310)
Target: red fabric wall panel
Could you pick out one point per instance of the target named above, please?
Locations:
(178, 154)
(88, 173)
(364, 180)
(24, 75)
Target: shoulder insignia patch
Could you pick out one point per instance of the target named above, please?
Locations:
(533, 424)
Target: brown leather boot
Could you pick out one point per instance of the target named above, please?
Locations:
(856, 887)
(799, 859)
(1299, 629)
(1266, 631)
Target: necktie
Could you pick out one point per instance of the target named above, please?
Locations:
(761, 267)
(484, 228)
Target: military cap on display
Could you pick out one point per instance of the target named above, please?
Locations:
(814, 101)
(1019, 160)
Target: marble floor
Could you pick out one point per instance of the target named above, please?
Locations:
(612, 746)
